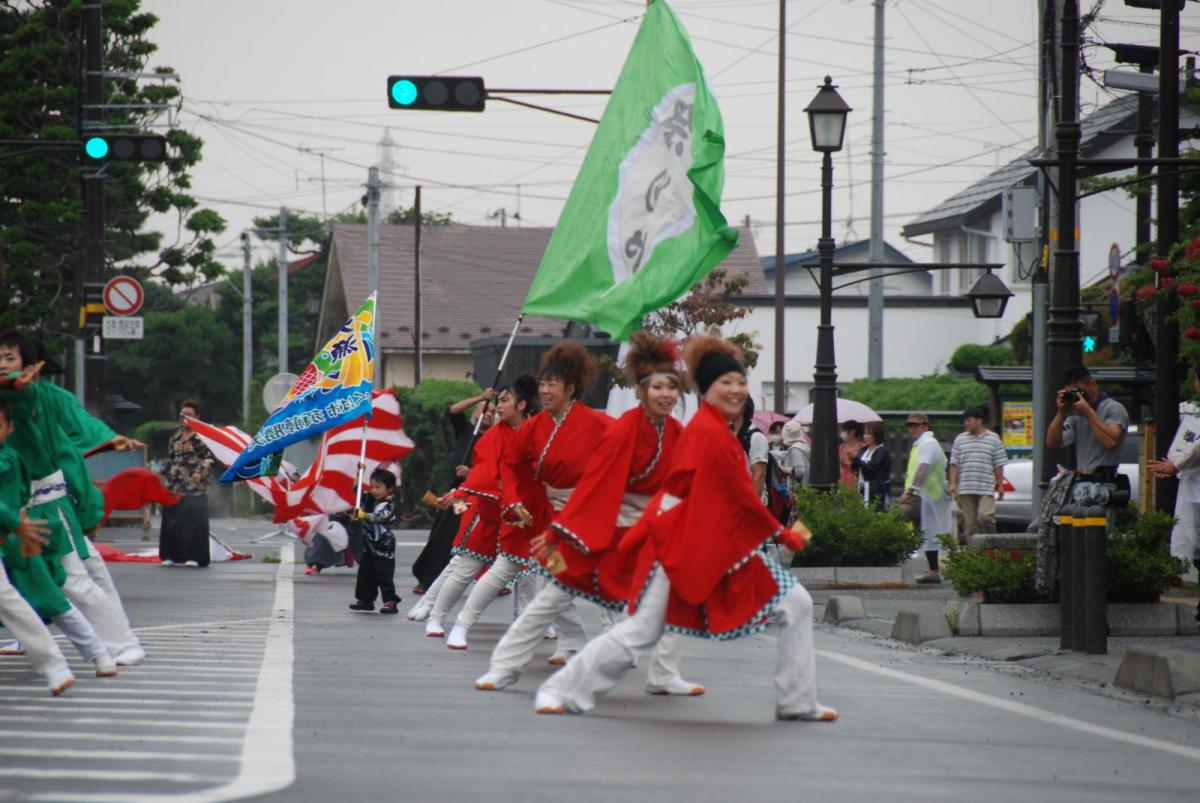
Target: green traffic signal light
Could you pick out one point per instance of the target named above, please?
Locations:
(404, 92)
(96, 147)
(125, 148)
(1089, 344)
(442, 93)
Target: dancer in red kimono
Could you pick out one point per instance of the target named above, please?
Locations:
(578, 551)
(537, 475)
(479, 493)
(703, 571)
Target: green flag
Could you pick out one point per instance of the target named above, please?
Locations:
(642, 224)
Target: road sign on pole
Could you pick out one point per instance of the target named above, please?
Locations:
(123, 327)
(123, 295)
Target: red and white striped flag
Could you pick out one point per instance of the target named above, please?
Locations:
(226, 443)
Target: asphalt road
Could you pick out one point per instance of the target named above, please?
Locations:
(241, 651)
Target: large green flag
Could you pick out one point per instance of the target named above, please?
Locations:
(642, 224)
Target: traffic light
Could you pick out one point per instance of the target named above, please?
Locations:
(1095, 334)
(125, 148)
(442, 93)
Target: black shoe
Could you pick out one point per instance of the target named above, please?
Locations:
(389, 607)
(930, 579)
(362, 607)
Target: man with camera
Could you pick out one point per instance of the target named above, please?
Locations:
(1095, 424)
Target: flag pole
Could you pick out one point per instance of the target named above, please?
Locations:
(499, 371)
(362, 449)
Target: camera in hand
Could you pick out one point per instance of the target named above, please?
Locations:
(1072, 395)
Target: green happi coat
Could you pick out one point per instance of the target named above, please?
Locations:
(42, 421)
(37, 579)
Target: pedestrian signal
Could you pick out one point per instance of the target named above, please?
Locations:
(443, 93)
(125, 148)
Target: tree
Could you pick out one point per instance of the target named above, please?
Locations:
(41, 208)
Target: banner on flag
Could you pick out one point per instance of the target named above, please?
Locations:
(334, 388)
(642, 224)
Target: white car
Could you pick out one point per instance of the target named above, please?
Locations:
(1015, 510)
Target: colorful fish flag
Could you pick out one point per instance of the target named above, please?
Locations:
(643, 223)
(334, 388)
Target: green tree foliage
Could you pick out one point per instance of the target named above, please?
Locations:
(934, 392)
(429, 464)
(41, 209)
(969, 356)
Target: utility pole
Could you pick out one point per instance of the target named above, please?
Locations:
(1166, 347)
(372, 230)
(875, 298)
(1064, 328)
(417, 288)
(283, 290)
(90, 356)
(1043, 391)
(247, 333)
(780, 405)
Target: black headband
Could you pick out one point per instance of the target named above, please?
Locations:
(714, 366)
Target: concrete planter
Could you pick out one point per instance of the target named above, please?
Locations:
(852, 576)
(1124, 619)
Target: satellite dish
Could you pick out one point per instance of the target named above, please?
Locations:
(276, 388)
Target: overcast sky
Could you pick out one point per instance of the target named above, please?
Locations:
(268, 85)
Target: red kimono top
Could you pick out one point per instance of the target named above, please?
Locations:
(541, 469)
(479, 528)
(625, 471)
(705, 527)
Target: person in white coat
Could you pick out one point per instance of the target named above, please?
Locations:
(926, 490)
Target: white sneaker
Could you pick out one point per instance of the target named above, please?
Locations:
(560, 657)
(106, 667)
(168, 562)
(193, 564)
(434, 629)
(131, 656)
(818, 713)
(457, 640)
(490, 681)
(418, 612)
(545, 703)
(60, 681)
(678, 687)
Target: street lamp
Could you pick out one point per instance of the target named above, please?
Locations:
(989, 296)
(827, 127)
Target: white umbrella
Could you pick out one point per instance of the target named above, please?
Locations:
(847, 410)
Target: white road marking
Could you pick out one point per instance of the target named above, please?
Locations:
(216, 623)
(127, 708)
(119, 737)
(117, 755)
(108, 723)
(1014, 707)
(100, 775)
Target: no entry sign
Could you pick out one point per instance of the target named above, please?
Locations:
(123, 295)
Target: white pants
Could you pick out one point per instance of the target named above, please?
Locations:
(451, 584)
(98, 607)
(97, 569)
(26, 626)
(600, 665)
(78, 630)
(515, 650)
(501, 573)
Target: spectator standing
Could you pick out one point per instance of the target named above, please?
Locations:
(874, 466)
(848, 449)
(377, 564)
(977, 461)
(757, 448)
(797, 452)
(183, 536)
(926, 497)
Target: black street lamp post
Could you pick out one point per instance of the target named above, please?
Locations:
(827, 126)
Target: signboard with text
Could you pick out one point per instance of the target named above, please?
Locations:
(1018, 425)
(123, 327)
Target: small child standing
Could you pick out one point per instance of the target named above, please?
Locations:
(377, 563)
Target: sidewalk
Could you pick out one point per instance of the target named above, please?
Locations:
(1036, 653)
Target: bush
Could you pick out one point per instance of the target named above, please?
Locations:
(1000, 575)
(969, 356)
(1140, 567)
(155, 434)
(429, 464)
(848, 533)
(935, 392)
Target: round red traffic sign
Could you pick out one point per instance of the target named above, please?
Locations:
(123, 295)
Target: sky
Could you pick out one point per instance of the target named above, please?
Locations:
(290, 100)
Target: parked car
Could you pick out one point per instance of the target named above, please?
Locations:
(1015, 510)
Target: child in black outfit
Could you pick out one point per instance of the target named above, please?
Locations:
(377, 563)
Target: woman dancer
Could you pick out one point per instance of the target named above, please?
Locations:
(478, 535)
(538, 474)
(579, 550)
(704, 572)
